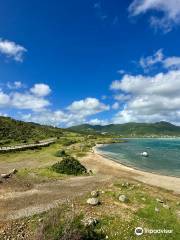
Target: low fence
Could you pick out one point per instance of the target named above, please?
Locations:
(42, 143)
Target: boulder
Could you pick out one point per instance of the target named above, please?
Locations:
(6, 175)
(95, 194)
(123, 198)
(14, 171)
(166, 206)
(89, 221)
(93, 201)
(156, 209)
(125, 184)
(159, 200)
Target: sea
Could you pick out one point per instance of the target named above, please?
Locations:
(163, 154)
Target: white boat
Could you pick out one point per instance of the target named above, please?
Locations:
(144, 154)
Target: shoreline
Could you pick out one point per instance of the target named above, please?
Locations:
(95, 149)
(104, 165)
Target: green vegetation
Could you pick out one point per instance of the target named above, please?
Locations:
(61, 153)
(115, 220)
(18, 132)
(70, 166)
(131, 129)
(67, 225)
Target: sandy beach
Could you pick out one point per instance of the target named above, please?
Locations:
(102, 165)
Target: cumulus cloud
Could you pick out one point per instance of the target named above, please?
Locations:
(4, 99)
(24, 100)
(153, 98)
(12, 50)
(47, 117)
(28, 101)
(88, 106)
(159, 58)
(74, 114)
(115, 106)
(96, 121)
(149, 61)
(40, 90)
(170, 10)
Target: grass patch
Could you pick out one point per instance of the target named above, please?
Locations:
(65, 224)
(40, 172)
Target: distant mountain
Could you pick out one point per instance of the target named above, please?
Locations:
(17, 131)
(131, 129)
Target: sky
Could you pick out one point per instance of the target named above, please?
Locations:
(68, 62)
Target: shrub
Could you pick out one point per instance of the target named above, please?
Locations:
(61, 153)
(69, 165)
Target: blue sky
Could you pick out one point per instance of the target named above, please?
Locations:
(70, 62)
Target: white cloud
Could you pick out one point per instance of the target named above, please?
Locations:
(75, 114)
(47, 117)
(121, 71)
(169, 8)
(88, 106)
(149, 61)
(12, 50)
(40, 90)
(153, 98)
(97, 121)
(121, 97)
(15, 85)
(4, 99)
(159, 58)
(24, 100)
(28, 101)
(172, 62)
(115, 106)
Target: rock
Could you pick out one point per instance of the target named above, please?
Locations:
(166, 206)
(178, 214)
(123, 198)
(93, 201)
(90, 221)
(94, 193)
(178, 203)
(159, 200)
(5, 175)
(90, 172)
(143, 199)
(14, 171)
(40, 220)
(8, 175)
(125, 184)
(156, 209)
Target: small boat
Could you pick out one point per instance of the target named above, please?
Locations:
(144, 154)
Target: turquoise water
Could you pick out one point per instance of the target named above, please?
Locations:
(164, 155)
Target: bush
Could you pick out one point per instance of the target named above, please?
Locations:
(61, 153)
(70, 166)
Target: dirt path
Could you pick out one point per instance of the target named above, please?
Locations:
(44, 196)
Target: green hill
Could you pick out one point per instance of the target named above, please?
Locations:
(13, 131)
(131, 129)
